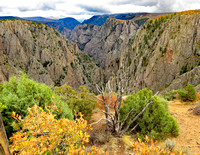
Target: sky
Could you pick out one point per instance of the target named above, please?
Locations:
(84, 9)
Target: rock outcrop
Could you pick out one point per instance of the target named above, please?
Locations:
(154, 55)
(82, 34)
(162, 54)
(105, 43)
(44, 54)
(165, 54)
(192, 77)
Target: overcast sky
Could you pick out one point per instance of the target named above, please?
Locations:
(83, 9)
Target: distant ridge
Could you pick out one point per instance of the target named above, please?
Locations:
(60, 24)
(70, 23)
(39, 19)
(101, 19)
(10, 17)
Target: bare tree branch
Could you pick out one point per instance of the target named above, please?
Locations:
(119, 127)
(127, 117)
(100, 121)
(135, 118)
(110, 91)
(112, 118)
(152, 97)
(130, 112)
(98, 88)
(97, 98)
(138, 115)
(134, 127)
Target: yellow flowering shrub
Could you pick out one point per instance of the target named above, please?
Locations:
(150, 147)
(41, 133)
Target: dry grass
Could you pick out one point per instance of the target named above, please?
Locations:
(128, 142)
(189, 137)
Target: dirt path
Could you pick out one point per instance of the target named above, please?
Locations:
(189, 125)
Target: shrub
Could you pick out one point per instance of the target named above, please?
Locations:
(1, 87)
(19, 93)
(2, 107)
(113, 100)
(80, 101)
(163, 102)
(155, 122)
(147, 147)
(169, 96)
(151, 147)
(41, 133)
(170, 144)
(187, 94)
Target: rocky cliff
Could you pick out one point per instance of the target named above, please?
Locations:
(105, 43)
(82, 34)
(162, 54)
(44, 54)
(165, 54)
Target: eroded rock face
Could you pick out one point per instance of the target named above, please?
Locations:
(162, 53)
(105, 43)
(192, 77)
(153, 56)
(108, 42)
(82, 34)
(44, 54)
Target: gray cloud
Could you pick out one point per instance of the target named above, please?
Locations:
(41, 6)
(24, 9)
(87, 8)
(137, 2)
(47, 6)
(93, 9)
(156, 5)
(166, 6)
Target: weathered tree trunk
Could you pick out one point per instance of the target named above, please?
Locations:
(119, 127)
(4, 146)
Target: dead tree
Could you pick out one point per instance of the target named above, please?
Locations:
(118, 127)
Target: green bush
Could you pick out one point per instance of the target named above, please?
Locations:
(2, 107)
(169, 96)
(1, 87)
(20, 93)
(164, 102)
(187, 94)
(155, 122)
(78, 101)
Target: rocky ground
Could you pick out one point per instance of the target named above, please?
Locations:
(189, 125)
